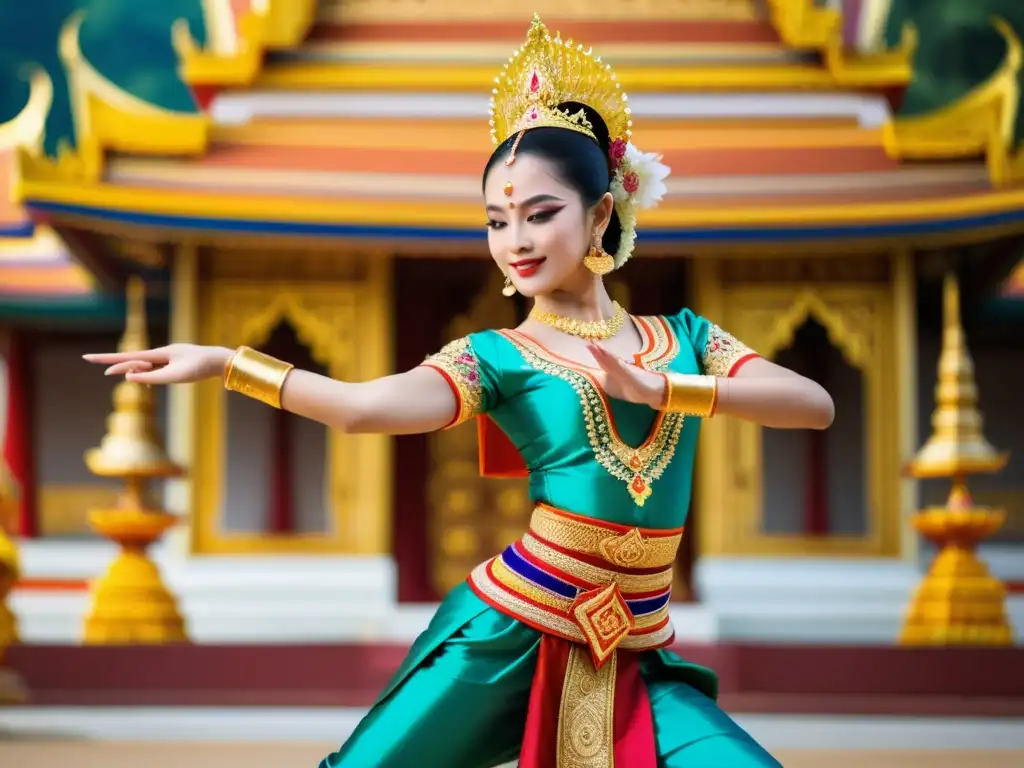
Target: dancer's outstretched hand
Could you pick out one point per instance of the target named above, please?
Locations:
(624, 381)
(173, 364)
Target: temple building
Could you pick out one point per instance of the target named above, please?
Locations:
(323, 204)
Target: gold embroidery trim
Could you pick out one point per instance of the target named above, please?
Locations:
(627, 550)
(511, 604)
(722, 351)
(460, 365)
(605, 619)
(512, 581)
(586, 716)
(629, 583)
(638, 467)
(666, 344)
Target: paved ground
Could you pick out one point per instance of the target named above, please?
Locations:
(27, 754)
(289, 737)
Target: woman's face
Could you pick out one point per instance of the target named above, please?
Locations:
(538, 229)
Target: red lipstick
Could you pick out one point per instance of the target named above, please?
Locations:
(527, 267)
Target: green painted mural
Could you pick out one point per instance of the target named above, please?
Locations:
(130, 47)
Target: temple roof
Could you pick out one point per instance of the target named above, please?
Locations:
(742, 175)
(657, 45)
(331, 175)
(39, 266)
(365, 121)
(14, 222)
(34, 263)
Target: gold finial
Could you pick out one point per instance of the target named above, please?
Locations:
(131, 446)
(135, 337)
(12, 688)
(957, 446)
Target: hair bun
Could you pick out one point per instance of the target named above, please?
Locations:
(598, 125)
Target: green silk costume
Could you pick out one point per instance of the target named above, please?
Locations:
(460, 698)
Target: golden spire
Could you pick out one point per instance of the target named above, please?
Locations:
(130, 603)
(11, 687)
(132, 446)
(136, 336)
(957, 446)
(958, 602)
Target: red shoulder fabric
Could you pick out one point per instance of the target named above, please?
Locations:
(498, 457)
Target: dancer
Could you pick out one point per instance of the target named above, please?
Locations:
(554, 651)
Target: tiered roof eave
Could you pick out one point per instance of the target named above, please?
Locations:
(138, 171)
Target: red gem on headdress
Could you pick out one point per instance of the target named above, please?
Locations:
(534, 83)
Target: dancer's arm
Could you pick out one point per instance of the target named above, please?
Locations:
(759, 391)
(773, 396)
(419, 400)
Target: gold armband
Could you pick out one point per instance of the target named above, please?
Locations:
(256, 375)
(691, 394)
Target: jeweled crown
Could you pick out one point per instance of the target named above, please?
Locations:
(547, 71)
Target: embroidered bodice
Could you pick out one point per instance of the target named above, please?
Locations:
(585, 452)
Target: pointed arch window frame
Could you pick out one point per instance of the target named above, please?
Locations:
(345, 326)
(859, 321)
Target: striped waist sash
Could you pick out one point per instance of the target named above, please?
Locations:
(594, 583)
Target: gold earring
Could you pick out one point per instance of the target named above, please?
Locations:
(597, 261)
(509, 289)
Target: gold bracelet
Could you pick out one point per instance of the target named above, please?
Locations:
(256, 375)
(691, 394)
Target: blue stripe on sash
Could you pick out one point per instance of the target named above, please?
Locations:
(647, 605)
(541, 578)
(518, 565)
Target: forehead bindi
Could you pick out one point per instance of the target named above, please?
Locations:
(524, 180)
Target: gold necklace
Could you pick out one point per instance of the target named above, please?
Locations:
(594, 330)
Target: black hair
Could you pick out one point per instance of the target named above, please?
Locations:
(580, 162)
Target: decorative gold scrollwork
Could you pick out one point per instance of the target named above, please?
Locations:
(849, 325)
(858, 317)
(325, 316)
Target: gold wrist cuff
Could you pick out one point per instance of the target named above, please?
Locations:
(691, 394)
(256, 375)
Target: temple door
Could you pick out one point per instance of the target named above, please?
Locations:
(447, 518)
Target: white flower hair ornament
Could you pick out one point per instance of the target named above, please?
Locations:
(638, 182)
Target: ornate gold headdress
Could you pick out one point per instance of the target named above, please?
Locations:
(547, 72)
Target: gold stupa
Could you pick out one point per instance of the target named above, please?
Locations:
(11, 688)
(130, 603)
(958, 602)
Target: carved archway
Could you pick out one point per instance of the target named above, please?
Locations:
(857, 317)
(848, 331)
(323, 323)
(340, 322)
